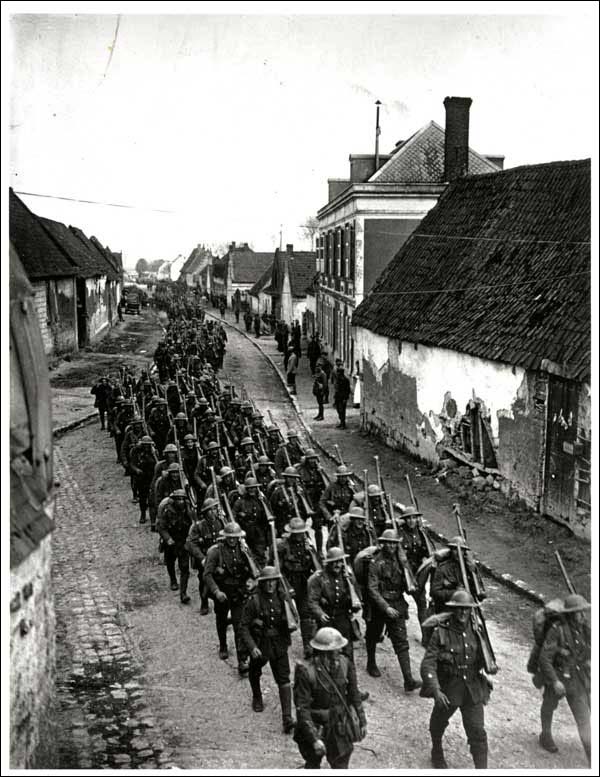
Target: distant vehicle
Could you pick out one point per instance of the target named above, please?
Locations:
(132, 299)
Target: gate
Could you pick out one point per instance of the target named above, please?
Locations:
(561, 439)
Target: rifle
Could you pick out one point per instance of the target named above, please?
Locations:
(185, 483)
(478, 587)
(213, 479)
(272, 420)
(261, 445)
(386, 502)
(145, 426)
(368, 519)
(341, 462)
(567, 579)
(424, 533)
(291, 613)
(409, 578)
(355, 602)
(477, 619)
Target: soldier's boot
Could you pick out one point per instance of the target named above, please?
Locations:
(204, 606)
(307, 629)
(410, 683)
(480, 756)
(222, 634)
(183, 594)
(438, 761)
(546, 740)
(257, 700)
(285, 699)
(142, 516)
(372, 667)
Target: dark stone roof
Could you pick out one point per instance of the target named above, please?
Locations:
(303, 265)
(249, 265)
(88, 262)
(499, 268)
(41, 256)
(262, 283)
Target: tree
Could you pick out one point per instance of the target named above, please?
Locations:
(309, 229)
(141, 266)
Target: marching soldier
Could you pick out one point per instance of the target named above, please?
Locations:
(227, 574)
(289, 453)
(203, 534)
(170, 457)
(175, 517)
(265, 474)
(102, 391)
(355, 536)
(298, 561)
(133, 434)
(249, 512)
(313, 483)
(328, 703)
(159, 425)
(388, 608)
(415, 548)
(169, 482)
(338, 495)
(452, 673)
(179, 429)
(282, 499)
(564, 666)
(142, 463)
(212, 458)
(190, 459)
(447, 577)
(242, 461)
(377, 514)
(265, 633)
(273, 442)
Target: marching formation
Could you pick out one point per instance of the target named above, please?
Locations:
(278, 546)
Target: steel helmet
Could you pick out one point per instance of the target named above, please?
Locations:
(180, 417)
(232, 529)
(212, 446)
(174, 467)
(458, 542)
(461, 598)
(208, 504)
(389, 535)
(335, 554)
(296, 526)
(189, 437)
(290, 472)
(269, 573)
(356, 512)
(264, 460)
(374, 490)
(246, 441)
(292, 433)
(342, 470)
(410, 512)
(224, 471)
(310, 453)
(179, 493)
(328, 638)
(576, 603)
(146, 440)
(170, 448)
(251, 482)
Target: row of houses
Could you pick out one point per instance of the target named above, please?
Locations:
(76, 280)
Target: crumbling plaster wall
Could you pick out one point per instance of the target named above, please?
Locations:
(96, 306)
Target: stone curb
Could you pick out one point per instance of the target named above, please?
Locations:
(62, 430)
(519, 586)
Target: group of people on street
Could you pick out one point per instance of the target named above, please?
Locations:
(280, 546)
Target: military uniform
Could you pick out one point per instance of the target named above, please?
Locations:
(173, 524)
(320, 712)
(158, 425)
(330, 595)
(377, 515)
(446, 580)
(142, 463)
(415, 548)
(249, 512)
(354, 539)
(202, 536)
(297, 563)
(453, 664)
(565, 657)
(227, 569)
(313, 485)
(335, 497)
(281, 459)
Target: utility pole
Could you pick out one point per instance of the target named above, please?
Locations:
(280, 236)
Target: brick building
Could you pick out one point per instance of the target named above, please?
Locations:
(475, 340)
(371, 214)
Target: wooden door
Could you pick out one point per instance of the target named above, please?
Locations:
(559, 486)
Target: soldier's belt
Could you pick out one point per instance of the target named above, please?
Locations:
(392, 594)
(319, 715)
(271, 632)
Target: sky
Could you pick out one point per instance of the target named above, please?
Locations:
(215, 128)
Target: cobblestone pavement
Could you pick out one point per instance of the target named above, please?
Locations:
(140, 681)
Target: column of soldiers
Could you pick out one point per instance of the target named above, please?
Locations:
(241, 502)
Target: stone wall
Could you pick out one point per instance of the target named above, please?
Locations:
(32, 661)
(55, 308)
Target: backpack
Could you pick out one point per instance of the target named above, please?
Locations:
(543, 618)
(361, 565)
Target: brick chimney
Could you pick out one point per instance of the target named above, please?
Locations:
(289, 248)
(456, 150)
(232, 246)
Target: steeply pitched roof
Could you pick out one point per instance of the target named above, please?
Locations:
(41, 256)
(262, 283)
(303, 265)
(420, 159)
(94, 249)
(89, 264)
(499, 268)
(247, 265)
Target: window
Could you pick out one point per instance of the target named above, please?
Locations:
(352, 252)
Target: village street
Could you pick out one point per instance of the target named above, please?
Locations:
(139, 679)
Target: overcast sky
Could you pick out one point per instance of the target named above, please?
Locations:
(234, 123)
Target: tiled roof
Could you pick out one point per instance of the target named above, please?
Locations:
(107, 256)
(262, 283)
(248, 266)
(94, 249)
(421, 160)
(41, 256)
(303, 265)
(89, 264)
(499, 268)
